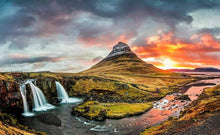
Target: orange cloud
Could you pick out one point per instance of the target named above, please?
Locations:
(200, 50)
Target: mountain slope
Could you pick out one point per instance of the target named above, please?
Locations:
(123, 61)
(9, 130)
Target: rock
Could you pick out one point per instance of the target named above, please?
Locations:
(102, 115)
(120, 48)
(216, 92)
(55, 100)
(75, 113)
(87, 109)
(125, 86)
(50, 119)
(157, 90)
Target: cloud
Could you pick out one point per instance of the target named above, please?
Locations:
(48, 18)
(52, 30)
(202, 49)
(20, 58)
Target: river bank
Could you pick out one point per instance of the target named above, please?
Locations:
(202, 116)
(160, 112)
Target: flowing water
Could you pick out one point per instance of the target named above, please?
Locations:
(71, 125)
(25, 103)
(40, 101)
(61, 92)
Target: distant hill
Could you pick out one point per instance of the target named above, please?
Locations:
(208, 69)
(122, 60)
(43, 72)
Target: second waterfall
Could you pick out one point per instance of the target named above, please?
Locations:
(62, 94)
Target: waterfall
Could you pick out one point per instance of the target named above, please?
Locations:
(61, 93)
(25, 104)
(40, 102)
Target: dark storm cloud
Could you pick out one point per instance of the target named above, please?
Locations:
(213, 31)
(171, 11)
(56, 14)
(26, 59)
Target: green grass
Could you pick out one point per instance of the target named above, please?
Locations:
(140, 88)
(86, 85)
(6, 76)
(92, 109)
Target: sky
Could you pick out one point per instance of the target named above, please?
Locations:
(73, 35)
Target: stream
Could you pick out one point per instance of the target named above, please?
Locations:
(71, 125)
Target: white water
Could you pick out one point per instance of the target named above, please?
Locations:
(25, 104)
(61, 92)
(40, 102)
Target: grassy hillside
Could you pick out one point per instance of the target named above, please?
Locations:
(126, 63)
(128, 87)
(9, 130)
(201, 116)
(10, 126)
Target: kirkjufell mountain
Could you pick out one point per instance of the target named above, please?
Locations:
(122, 60)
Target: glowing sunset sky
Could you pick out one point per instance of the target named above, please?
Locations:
(72, 35)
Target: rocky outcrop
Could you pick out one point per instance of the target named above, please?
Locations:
(119, 49)
(10, 98)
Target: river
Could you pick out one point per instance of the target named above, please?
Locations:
(71, 125)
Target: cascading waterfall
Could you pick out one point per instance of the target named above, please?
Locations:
(25, 104)
(61, 92)
(40, 102)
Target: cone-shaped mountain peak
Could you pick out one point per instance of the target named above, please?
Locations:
(123, 61)
(120, 48)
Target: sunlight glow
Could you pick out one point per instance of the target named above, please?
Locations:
(168, 64)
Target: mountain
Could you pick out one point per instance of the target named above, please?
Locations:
(123, 61)
(208, 69)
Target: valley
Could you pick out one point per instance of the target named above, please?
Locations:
(120, 95)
